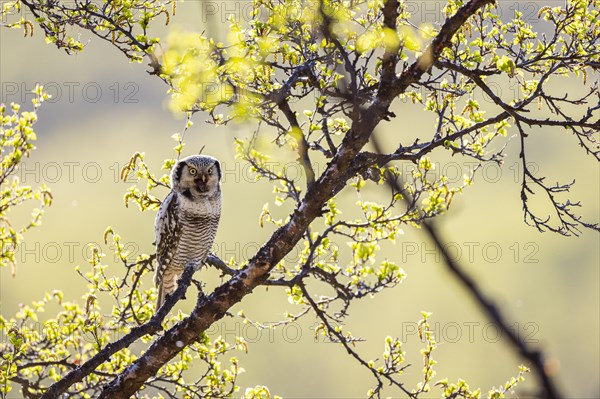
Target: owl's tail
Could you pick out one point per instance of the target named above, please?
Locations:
(167, 286)
(161, 296)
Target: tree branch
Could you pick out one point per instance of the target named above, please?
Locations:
(214, 261)
(279, 98)
(340, 169)
(432, 53)
(151, 327)
(489, 308)
(342, 339)
(390, 56)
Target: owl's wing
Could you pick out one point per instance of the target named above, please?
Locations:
(167, 231)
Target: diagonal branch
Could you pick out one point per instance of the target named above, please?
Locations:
(153, 326)
(432, 53)
(494, 314)
(340, 169)
(214, 307)
(487, 305)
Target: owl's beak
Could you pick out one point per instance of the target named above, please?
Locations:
(201, 182)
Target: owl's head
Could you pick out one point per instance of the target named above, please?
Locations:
(196, 176)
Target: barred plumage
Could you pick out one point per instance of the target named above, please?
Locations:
(187, 221)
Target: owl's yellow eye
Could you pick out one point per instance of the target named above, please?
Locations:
(210, 170)
(193, 171)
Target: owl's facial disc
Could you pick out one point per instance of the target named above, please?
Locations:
(196, 178)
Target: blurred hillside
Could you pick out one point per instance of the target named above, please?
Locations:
(104, 109)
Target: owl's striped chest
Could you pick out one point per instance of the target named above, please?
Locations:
(197, 229)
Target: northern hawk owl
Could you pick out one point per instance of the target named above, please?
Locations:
(187, 220)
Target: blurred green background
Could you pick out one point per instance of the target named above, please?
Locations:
(104, 109)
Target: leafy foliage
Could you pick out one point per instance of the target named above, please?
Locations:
(16, 143)
(315, 78)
